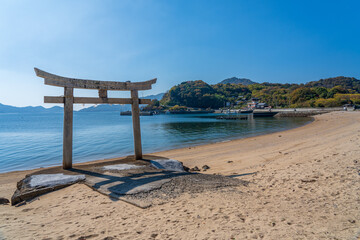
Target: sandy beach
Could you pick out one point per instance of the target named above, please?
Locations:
(304, 183)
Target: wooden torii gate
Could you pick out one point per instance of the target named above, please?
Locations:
(102, 86)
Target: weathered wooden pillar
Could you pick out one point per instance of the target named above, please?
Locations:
(68, 127)
(135, 112)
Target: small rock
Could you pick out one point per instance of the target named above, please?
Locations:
(154, 235)
(195, 169)
(205, 167)
(280, 136)
(352, 221)
(4, 201)
(254, 236)
(186, 169)
(335, 193)
(229, 161)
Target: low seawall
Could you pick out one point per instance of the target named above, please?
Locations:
(300, 113)
(304, 112)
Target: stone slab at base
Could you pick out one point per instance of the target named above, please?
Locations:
(36, 185)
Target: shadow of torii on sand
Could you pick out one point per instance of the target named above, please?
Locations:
(118, 184)
(132, 184)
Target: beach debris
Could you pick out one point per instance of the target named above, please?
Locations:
(36, 185)
(195, 169)
(154, 235)
(4, 201)
(88, 237)
(123, 166)
(109, 238)
(308, 180)
(230, 161)
(27, 209)
(205, 167)
(168, 164)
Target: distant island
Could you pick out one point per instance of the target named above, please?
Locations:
(57, 109)
(38, 109)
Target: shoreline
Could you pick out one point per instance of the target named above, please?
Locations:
(303, 183)
(311, 120)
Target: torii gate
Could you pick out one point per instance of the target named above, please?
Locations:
(102, 86)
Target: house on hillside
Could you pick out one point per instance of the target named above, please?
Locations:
(256, 104)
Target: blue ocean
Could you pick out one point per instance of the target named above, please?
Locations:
(32, 140)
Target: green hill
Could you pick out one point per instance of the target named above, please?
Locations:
(331, 92)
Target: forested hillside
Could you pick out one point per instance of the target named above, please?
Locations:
(331, 92)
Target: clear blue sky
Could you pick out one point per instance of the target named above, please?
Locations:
(175, 41)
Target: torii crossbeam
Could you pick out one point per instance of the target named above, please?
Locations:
(102, 86)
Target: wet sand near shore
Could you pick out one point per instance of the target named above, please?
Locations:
(304, 184)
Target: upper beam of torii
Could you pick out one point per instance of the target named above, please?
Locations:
(102, 86)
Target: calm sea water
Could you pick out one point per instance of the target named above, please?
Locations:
(29, 141)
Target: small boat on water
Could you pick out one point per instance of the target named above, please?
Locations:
(264, 114)
(246, 111)
(142, 113)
